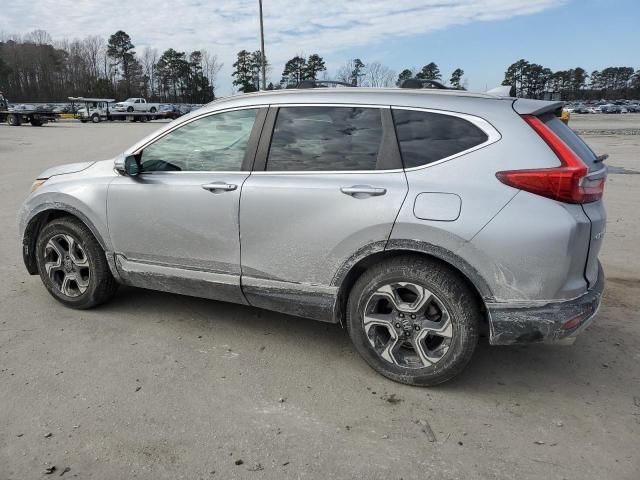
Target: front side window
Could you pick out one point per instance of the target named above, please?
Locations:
(426, 137)
(325, 139)
(214, 143)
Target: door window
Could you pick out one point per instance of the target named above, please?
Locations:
(214, 143)
(325, 139)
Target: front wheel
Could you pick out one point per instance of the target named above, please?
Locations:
(95, 118)
(413, 320)
(72, 265)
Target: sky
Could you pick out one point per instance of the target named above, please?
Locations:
(483, 37)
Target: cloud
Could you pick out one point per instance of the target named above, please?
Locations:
(226, 26)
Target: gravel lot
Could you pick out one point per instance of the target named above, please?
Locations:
(161, 386)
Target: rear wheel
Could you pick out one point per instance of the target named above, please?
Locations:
(72, 265)
(153, 110)
(36, 123)
(14, 120)
(95, 118)
(413, 320)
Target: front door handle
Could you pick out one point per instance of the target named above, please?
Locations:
(219, 187)
(362, 190)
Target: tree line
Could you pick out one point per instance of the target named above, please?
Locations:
(35, 68)
(246, 73)
(531, 80)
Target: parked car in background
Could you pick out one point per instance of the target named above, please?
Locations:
(345, 212)
(22, 107)
(169, 110)
(184, 109)
(136, 105)
(594, 110)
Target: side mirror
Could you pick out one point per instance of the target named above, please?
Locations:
(127, 165)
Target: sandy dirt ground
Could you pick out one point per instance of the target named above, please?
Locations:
(159, 386)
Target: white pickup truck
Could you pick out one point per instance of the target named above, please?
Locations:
(136, 105)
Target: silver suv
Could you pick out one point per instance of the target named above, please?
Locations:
(418, 219)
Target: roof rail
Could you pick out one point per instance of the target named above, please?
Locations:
(420, 83)
(319, 83)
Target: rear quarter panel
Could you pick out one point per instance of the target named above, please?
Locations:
(472, 178)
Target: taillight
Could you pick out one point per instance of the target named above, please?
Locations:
(567, 183)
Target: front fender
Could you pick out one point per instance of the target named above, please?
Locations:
(38, 208)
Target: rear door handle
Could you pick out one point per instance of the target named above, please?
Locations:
(219, 187)
(363, 190)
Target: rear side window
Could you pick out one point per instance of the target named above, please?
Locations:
(325, 139)
(573, 141)
(426, 137)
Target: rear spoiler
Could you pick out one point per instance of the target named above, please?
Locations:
(524, 106)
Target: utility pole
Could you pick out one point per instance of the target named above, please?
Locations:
(263, 59)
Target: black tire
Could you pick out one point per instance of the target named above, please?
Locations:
(14, 120)
(95, 118)
(451, 291)
(36, 123)
(129, 109)
(153, 110)
(101, 284)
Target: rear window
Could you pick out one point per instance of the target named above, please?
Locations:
(426, 137)
(573, 141)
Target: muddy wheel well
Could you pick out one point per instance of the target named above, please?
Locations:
(32, 231)
(360, 267)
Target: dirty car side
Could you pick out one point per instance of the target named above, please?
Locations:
(294, 242)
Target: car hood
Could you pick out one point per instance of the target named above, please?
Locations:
(64, 169)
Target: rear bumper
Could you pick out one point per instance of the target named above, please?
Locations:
(514, 323)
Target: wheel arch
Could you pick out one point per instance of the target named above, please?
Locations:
(39, 219)
(358, 264)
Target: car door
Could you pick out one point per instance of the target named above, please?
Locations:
(327, 187)
(174, 226)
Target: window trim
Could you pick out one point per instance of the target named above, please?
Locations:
(389, 140)
(249, 155)
(493, 135)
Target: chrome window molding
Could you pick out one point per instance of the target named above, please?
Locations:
(491, 132)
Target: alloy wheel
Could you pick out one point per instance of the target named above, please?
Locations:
(67, 265)
(407, 325)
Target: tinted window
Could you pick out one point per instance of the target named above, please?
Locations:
(573, 141)
(325, 138)
(426, 137)
(214, 143)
